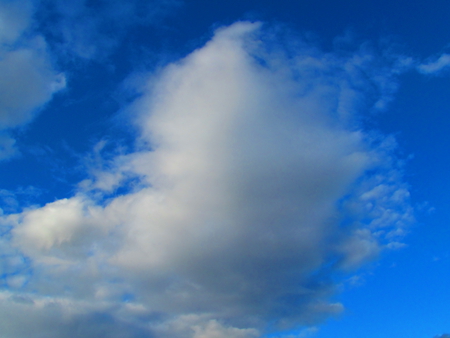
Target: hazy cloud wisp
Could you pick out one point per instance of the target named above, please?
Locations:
(435, 67)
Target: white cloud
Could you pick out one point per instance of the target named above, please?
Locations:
(28, 80)
(257, 187)
(53, 225)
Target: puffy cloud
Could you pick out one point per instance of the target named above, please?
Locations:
(28, 79)
(256, 186)
(41, 228)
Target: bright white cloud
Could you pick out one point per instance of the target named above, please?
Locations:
(41, 228)
(28, 80)
(257, 187)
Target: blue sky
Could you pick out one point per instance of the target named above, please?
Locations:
(232, 169)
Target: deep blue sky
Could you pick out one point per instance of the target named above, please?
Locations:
(106, 130)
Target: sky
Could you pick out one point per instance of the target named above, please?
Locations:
(224, 169)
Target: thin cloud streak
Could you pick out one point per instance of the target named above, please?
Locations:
(435, 67)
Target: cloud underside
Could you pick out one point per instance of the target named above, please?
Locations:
(255, 190)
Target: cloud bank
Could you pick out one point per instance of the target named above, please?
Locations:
(253, 187)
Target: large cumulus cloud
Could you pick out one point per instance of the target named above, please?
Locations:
(253, 186)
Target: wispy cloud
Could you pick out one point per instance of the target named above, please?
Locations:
(92, 30)
(257, 186)
(437, 66)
